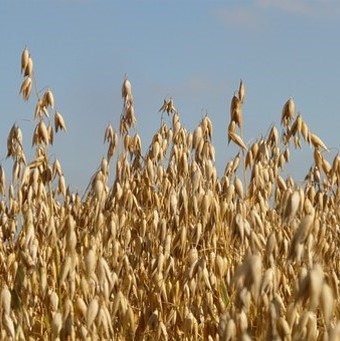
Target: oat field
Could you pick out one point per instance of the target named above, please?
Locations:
(160, 247)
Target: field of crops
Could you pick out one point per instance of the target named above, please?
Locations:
(163, 248)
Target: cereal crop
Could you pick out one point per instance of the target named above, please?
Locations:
(160, 247)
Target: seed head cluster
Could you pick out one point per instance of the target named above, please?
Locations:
(164, 249)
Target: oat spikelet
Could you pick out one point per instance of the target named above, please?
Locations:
(48, 99)
(237, 139)
(54, 301)
(292, 206)
(127, 92)
(90, 262)
(230, 332)
(234, 106)
(317, 142)
(57, 324)
(327, 303)
(24, 59)
(29, 68)
(288, 112)
(26, 88)
(91, 312)
(2, 181)
(9, 325)
(6, 300)
(241, 91)
(59, 122)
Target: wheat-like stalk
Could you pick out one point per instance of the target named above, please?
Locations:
(159, 246)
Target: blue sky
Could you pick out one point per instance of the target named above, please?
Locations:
(194, 51)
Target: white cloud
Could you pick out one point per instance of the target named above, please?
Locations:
(254, 14)
(291, 6)
(243, 16)
(317, 9)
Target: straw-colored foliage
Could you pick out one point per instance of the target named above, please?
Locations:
(160, 247)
